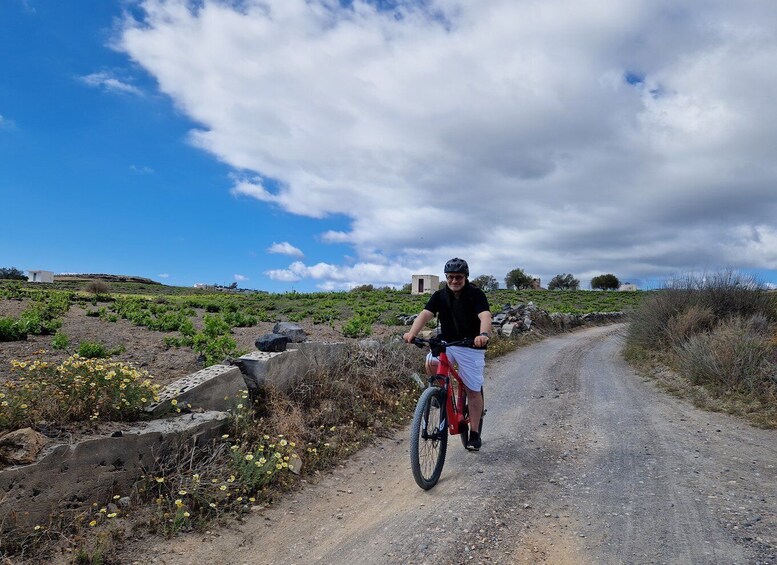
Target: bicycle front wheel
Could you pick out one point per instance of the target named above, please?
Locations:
(428, 438)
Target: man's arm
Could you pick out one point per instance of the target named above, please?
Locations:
(485, 328)
(423, 318)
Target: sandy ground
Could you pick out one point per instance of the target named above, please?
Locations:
(583, 462)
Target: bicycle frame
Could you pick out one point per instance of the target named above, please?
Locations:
(455, 394)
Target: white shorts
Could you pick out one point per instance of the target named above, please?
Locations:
(470, 364)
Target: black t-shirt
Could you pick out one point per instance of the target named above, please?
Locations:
(465, 308)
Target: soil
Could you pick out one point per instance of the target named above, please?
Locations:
(140, 346)
(583, 461)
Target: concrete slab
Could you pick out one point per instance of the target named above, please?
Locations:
(69, 477)
(212, 388)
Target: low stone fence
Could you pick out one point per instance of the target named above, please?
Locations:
(64, 477)
(67, 477)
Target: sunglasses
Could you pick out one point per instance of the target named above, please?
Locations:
(455, 277)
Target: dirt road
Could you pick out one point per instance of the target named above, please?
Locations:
(582, 462)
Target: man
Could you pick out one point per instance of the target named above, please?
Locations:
(463, 313)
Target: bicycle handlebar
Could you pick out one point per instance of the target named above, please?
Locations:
(437, 342)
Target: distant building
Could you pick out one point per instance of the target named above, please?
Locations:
(41, 276)
(536, 284)
(424, 284)
(627, 287)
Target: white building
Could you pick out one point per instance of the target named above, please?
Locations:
(627, 287)
(40, 276)
(424, 284)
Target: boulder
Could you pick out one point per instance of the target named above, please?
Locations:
(407, 319)
(21, 447)
(294, 332)
(272, 343)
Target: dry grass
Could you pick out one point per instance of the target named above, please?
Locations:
(717, 333)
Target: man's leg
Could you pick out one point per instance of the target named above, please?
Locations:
(475, 402)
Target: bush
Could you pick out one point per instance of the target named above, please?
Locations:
(92, 350)
(684, 325)
(98, 288)
(358, 326)
(12, 330)
(12, 273)
(701, 302)
(78, 390)
(214, 342)
(736, 354)
(60, 340)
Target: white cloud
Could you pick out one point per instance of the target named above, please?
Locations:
(502, 131)
(163, 275)
(142, 169)
(285, 248)
(338, 277)
(109, 82)
(241, 278)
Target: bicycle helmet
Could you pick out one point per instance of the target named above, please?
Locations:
(457, 265)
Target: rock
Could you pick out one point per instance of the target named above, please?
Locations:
(294, 332)
(369, 344)
(272, 343)
(21, 447)
(507, 330)
(295, 465)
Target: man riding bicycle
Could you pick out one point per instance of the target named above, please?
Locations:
(463, 313)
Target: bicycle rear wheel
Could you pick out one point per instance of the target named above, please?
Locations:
(428, 438)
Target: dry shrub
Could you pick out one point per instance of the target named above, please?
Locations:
(656, 323)
(340, 397)
(648, 327)
(682, 326)
(98, 287)
(736, 354)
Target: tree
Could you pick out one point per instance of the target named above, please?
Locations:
(605, 282)
(486, 282)
(564, 281)
(519, 280)
(12, 273)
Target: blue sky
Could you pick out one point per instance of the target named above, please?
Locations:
(316, 145)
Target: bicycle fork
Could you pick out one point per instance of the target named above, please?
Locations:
(439, 430)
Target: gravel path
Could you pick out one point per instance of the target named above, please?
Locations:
(583, 462)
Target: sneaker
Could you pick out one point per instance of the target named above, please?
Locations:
(474, 442)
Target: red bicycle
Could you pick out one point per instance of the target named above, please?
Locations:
(441, 411)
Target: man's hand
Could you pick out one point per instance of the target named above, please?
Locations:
(409, 337)
(481, 341)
